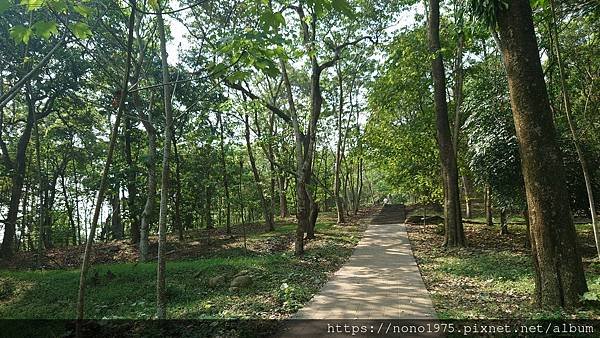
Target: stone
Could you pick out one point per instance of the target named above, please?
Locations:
(242, 273)
(216, 281)
(241, 281)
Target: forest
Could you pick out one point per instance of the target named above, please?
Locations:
(202, 159)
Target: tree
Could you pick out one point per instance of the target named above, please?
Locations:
(572, 128)
(454, 234)
(559, 277)
(85, 265)
(265, 204)
(161, 296)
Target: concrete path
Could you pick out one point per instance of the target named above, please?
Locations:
(381, 279)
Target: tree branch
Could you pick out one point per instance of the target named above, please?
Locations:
(253, 96)
(340, 48)
(6, 97)
(5, 156)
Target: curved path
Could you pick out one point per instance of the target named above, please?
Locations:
(381, 280)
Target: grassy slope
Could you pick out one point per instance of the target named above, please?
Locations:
(128, 291)
(493, 277)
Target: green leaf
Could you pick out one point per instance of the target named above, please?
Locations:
(81, 30)
(20, 34)
(4, 5)
(590, 295)
(344, 7)
(45, 29)
(153, 4)
(32, 5)
(218, 69)
(238, 76)
(59, 6)
(279, 19)
(83, 10)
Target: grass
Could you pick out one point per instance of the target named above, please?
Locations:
(281, 282)
(493, 278)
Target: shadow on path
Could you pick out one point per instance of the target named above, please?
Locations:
(381, 280)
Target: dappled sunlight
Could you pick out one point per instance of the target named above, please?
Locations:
(380, 280)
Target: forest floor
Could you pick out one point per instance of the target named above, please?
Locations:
(119, 288)
(493, 278)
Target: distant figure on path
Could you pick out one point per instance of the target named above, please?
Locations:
(386, 201)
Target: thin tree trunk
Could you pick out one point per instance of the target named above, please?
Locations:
(267, 211)
(339, 204)
(24, 215)
(359, 182)
(104, 178)
(283, 207)
(76, 183)
(208, 209)
(161, 297)
(177, 216)
(453, 234)
(116, 223)
(559, 277)
(573, 128)
(225, 176)
(148, 212)
(488, 206)
(458, 87)
(6, 97)
(38, 162)
(69, 210)
(468, 189)
(50, 198)
(301, 207)
(132, 207)
(503, 222)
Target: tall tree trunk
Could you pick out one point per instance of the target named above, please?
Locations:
(346, 195)
(177, 216)
(573, 128)
(468, 189)
(17, 179)
(49, 199)
(339, 204)
(313, 210)
(458, 82)
(283, 207)
(104, 177)
(42, 239)
(266, 207)
(148, 212)
(75, 185)
(225, 176)
(301, 207)
(161, 296)
(115, 218)
(24, 214)
(559, 271)
(132, 207)
(69, 208)
(489, 220)
(208, 219)
(359, 182)
(503, 222)
(525, 215)
(453, 234)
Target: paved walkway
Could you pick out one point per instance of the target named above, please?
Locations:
(381, 279)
